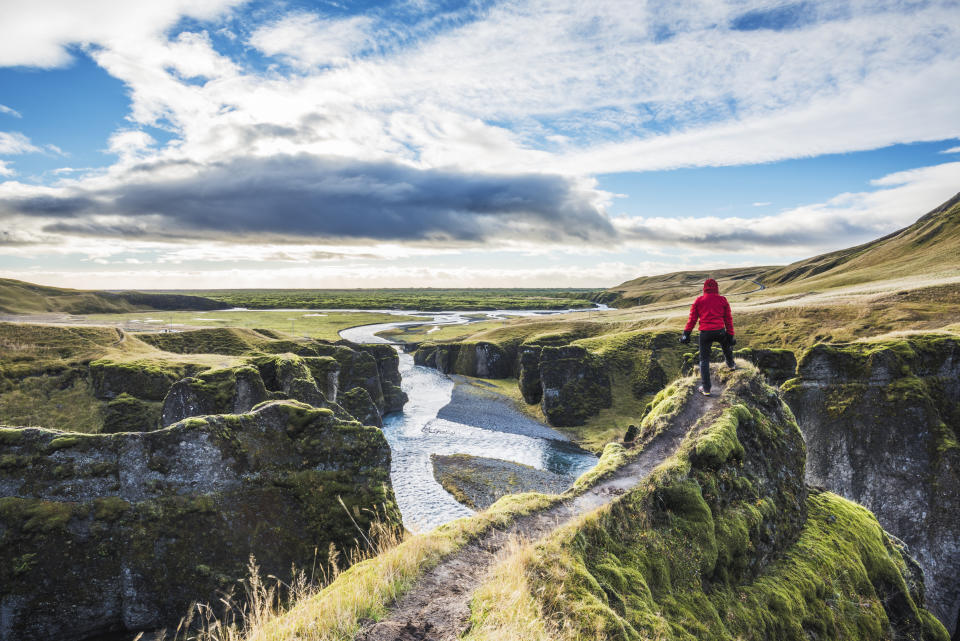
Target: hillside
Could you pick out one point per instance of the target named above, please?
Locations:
(928, 248)
(19, 297)
(680, 285)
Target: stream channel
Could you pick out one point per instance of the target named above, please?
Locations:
(442, 417)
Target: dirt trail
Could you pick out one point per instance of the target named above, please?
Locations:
(438, 606)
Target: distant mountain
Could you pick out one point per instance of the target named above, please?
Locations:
(19, 297)
(928, 248)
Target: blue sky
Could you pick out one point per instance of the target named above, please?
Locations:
(418, 143)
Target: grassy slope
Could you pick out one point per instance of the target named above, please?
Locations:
(681, 285)
(927, 249)
(930, 246)
(19, 297)
(44, 378)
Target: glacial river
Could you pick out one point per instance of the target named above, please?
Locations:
(437, 421)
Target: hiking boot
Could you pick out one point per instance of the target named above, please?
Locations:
(732, 366)
(705, 392)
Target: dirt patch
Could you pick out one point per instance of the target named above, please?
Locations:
(438, 606)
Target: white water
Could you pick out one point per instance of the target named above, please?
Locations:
(417, 432)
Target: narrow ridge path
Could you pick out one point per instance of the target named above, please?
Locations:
(437, 608)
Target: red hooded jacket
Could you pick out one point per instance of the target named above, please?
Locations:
(712, 309)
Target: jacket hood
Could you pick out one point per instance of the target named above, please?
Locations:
(710, 287)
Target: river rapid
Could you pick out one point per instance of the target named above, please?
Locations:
(436, 420)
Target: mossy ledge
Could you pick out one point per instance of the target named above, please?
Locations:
(882, 423)
(107, 532)
(724, 541)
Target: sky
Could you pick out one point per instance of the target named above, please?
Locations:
(180, 144)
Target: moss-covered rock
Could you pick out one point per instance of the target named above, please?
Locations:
(147, 380)
(882, 424)
(143, 524)
(359, 404)
(528, 378)
(127, 413)
(575, 385)
(481, 359)
(233, 390)
(725, 542)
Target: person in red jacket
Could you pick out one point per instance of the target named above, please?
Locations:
(716, 325)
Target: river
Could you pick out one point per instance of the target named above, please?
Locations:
(436, 420)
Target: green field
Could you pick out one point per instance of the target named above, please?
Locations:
(321, 325)
(412, 299)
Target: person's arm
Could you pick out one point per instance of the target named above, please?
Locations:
(692, 319)
(727, 317)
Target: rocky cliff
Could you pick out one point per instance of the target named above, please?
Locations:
(101, 533)
(723, 541)
(882, 425)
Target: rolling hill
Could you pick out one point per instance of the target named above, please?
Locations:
(19, 297)
(929, 248)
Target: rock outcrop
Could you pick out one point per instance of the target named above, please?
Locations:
(882, 425)
(480, 359)
(102, 533)
(575, 385)
(223, 391)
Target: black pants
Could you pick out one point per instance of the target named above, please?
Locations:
(707, 339)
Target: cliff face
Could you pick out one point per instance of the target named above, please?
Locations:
(124, 531)
(882, 424)
(723, 541)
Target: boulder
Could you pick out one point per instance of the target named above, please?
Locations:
(105, 533)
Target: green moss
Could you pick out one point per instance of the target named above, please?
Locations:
(719, 443)
(35, 515)
(110, 508)
(10, 436)
(62, 442)
(721, 543)
(23, 563)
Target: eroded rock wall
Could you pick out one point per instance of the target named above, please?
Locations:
(123, 532)
(882, 424)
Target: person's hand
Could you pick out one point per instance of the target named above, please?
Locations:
(731, 339)
(685, 338)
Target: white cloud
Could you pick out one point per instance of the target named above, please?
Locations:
(5, 169)
(952, 150)
(10, 111)
(14, 142)
(763, 204)
(38, 33)
(131, 141)
(307, 40)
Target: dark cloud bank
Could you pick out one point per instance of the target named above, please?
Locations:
(308, 197)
